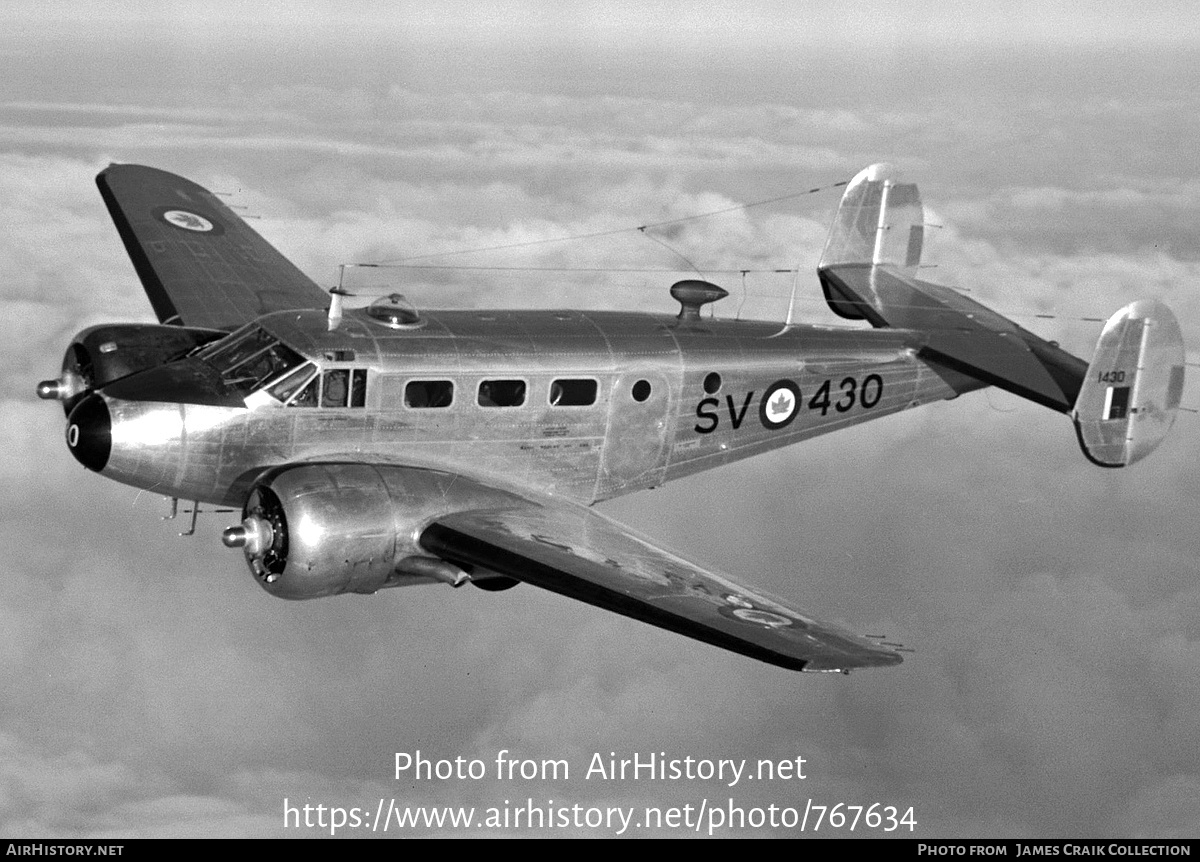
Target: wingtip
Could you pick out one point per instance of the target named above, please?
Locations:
(110, 168)
(146, 170)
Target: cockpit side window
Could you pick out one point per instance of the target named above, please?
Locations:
(234, 350)
(251, 359)
(288, 386)
(263, 367)
(358, 388)
(335, 387)
(308, 395)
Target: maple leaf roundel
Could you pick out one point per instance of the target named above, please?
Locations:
(779, 404)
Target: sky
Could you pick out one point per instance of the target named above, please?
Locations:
(151, 688)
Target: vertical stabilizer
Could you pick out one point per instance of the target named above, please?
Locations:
(879, 221)
(1133, 386)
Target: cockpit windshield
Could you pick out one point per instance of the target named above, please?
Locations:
(251, 359)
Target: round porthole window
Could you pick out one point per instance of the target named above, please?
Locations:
(712, 383)
(641, 390)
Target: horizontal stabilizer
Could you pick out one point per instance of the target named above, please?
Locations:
(957, 332)
(1133, 387)
(868, 272)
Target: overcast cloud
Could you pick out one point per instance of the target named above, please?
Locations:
(151, 688)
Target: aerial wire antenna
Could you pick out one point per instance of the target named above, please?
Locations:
(643, 269)
(615, 231)
(678, 254)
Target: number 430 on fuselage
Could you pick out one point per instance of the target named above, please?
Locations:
(383, 447)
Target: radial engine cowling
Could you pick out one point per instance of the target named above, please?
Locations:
(323, 529)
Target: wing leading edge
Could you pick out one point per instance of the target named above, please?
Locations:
(199, 263)
(580, 553)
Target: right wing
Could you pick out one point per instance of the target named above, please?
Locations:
(199, 263)
(580, 553)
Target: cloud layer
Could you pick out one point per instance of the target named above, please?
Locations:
(152, 689)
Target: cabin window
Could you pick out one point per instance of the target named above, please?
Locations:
(429, 393)
(712, 383)
(501, 393)
(641, 390)
(573, 393)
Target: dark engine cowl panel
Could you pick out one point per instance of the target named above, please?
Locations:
(101, 354)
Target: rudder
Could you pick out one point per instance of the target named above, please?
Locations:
(879, 221)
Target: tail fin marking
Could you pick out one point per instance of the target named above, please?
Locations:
(1133, 386)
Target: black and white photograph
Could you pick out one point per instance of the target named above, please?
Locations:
(455, 420)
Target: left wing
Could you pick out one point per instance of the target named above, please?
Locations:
(580, 553)
(199, 263)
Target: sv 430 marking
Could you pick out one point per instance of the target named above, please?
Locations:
(780, 402)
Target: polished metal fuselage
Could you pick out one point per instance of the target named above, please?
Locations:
(673, 398)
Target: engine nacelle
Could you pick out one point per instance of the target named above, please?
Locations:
(322, 529)
(101, 354)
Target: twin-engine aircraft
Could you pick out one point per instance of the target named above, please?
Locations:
(382, 447)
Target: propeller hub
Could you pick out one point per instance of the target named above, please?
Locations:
(254, 535)
(61, 388)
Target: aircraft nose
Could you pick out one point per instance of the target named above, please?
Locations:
(89, 432)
